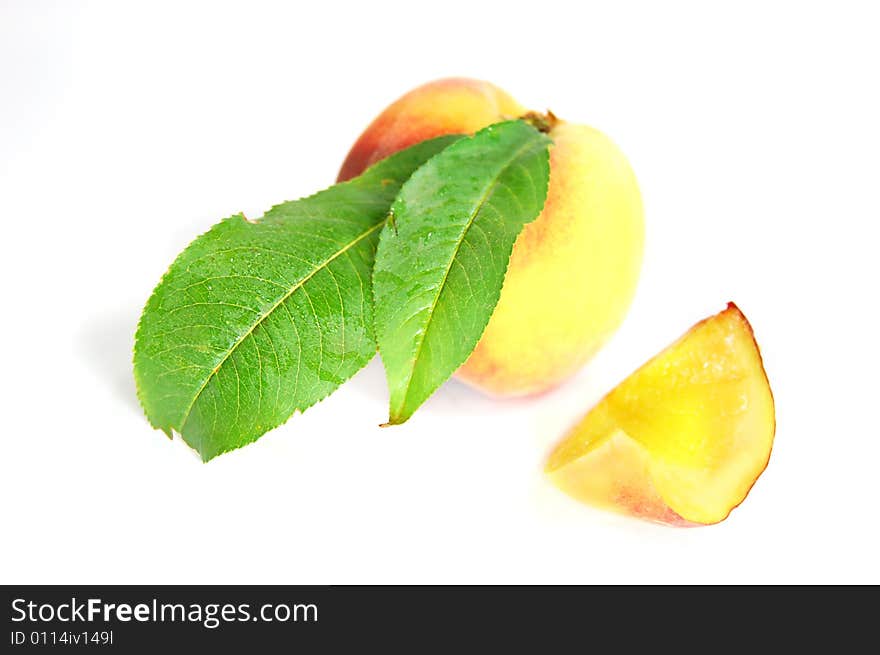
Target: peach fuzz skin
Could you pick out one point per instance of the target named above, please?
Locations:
(573, 271)
(450, 106)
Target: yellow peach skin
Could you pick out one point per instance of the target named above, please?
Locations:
(573, 271)
(684, 438)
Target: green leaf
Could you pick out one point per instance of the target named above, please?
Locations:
(256, 320)
(441, 264)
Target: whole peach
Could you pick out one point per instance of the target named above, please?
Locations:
(573, 271)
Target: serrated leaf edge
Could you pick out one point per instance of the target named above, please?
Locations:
(169, 431)
(395, 419)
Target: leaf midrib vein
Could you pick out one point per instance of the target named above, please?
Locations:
(479, 206)
(269, 312)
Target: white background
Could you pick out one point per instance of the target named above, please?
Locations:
(127, 129)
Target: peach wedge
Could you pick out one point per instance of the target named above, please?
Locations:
(684, 438)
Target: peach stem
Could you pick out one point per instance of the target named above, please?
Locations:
(541, 122)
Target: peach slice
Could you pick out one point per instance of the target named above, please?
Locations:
(683, 439)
